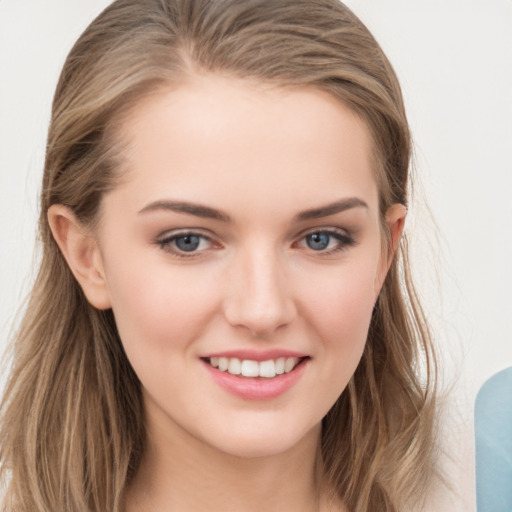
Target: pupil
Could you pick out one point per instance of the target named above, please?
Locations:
(317, 241)
(187, 243)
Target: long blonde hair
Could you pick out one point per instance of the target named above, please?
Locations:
(72, 425)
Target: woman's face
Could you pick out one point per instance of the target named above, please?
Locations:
(245, 234)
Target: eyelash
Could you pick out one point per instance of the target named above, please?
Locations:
(344, 242)
(167, 243)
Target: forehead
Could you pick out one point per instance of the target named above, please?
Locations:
(233, 139)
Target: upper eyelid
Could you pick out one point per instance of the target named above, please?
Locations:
(212, 237)
(324, 229)
(344, 238)
(175, 233)
(167, 241)
(201, 230)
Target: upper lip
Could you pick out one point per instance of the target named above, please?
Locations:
(256, 355)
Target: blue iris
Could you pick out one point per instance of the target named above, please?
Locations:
(187, 243)
(318, 241)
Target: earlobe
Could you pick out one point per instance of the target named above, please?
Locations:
(81, 252)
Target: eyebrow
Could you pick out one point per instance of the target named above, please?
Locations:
(207, 212)
(331, 209)
(186, 207)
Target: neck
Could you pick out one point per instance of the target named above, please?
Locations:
(179, 472)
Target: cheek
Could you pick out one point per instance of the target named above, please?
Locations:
(158, 307)
(337, 312)
(339, 307)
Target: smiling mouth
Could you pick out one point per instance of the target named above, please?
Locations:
(249, 368)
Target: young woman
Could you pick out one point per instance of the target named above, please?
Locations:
(223, 318)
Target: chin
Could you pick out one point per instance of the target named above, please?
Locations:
(265, 442)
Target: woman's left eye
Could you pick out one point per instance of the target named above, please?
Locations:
(185, 244)
(326, 241)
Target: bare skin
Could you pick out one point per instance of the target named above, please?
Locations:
(247, 223)
(228, 483)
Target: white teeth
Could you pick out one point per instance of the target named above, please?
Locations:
(235, 366)
(280, 365)
(267, 369)
(250, 368)
(290, 363)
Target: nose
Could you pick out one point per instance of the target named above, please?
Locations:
(259, 297)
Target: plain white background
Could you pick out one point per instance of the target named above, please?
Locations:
(454, 61)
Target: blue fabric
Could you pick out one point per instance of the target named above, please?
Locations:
(493, 435)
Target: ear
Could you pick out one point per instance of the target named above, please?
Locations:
(81, 252)
(395, 220)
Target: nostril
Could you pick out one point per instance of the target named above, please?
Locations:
(261, 321)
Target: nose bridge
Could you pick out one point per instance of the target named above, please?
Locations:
(259, 297)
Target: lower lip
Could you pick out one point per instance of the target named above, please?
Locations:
(257, 388)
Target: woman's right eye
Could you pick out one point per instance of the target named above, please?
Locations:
(186, 244)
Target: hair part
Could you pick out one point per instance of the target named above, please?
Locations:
(72, 425)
